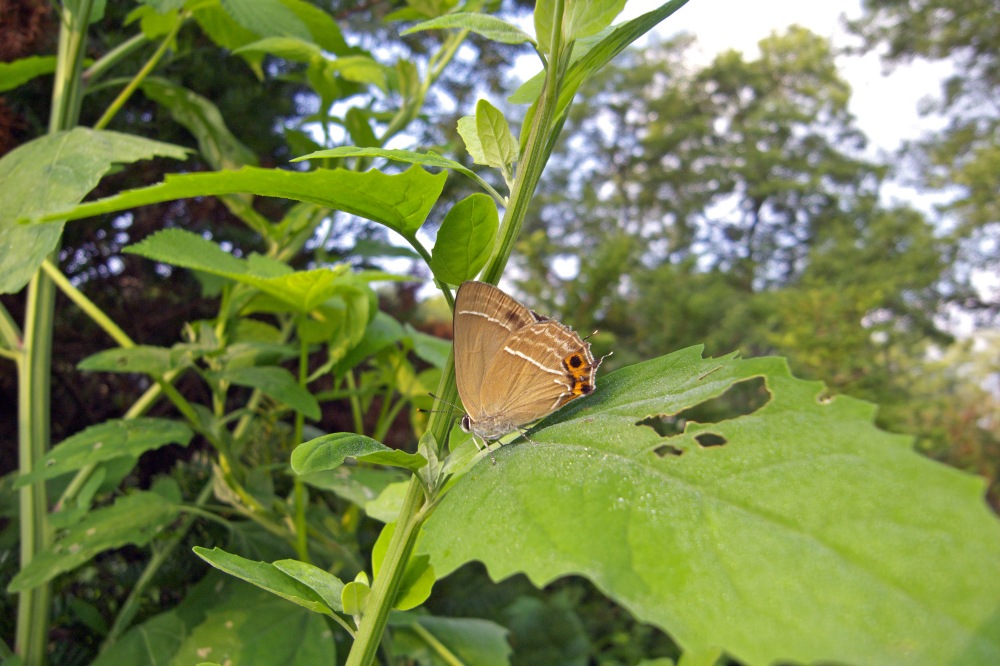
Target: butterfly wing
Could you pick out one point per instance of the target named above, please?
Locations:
(484, 318)
(538, 369)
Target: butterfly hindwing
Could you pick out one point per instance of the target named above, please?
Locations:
(538, 369)
(485, 317)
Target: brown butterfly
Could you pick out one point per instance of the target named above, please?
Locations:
(512, 365)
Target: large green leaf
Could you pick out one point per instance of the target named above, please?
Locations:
(106, 441)
(399, 201)
(52, 173)
(796, 532)
(133, 519)
(465, 239)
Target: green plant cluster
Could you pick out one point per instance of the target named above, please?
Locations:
(792, 529)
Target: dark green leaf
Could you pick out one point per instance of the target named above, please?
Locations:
(108, 440)
(277, 383)
(478, 642)
(322, 582)
(153, 361)
(133, 519)
(465, 241)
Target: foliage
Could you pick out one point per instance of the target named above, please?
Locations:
(720, 500)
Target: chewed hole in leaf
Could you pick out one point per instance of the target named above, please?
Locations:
(667, 450)
(740, 399)
(707, 439)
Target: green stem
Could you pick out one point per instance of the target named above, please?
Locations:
(10, 333)
(121, 52)
(140, 76)
(88, 306)
(390, 577)
(301, 496)
(35, 367)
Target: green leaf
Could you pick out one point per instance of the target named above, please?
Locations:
(467, 130)
(52, 173)
(498, 144)
(133, 519)
(408, 156)
(324, 583)
(202, 118)
(13, 74)
(289, 48)
(400, 201)
(252, 627)
(329, 452)
(797, 532)
(544, 17)
(387, 505)
(267, 577)
(358, 485)
(106, 441)
(356, 124)
(266, 18)
(429, 348)
(465, 241)
(472, 641)
(277, 383)
(355, 597)
(418, 578)
(487, 26)
(361, 69)
(224, 619)
(585, 18)
(153, 361)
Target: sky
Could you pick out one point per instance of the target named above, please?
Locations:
(885, 106)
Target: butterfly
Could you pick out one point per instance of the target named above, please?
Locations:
(512, 365)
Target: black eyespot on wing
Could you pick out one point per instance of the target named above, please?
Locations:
(575, 361)
(586, 388)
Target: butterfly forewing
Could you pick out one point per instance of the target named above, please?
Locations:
(538, 369)
(484, 318)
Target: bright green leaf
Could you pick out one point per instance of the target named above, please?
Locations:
(108, 440)
(354, 598)
(289, 48)
(13, 74)
(52, 173)
(387, 505)
(329, 452)
(797, 532)
(133, 519)
(585, 18)
(268, 18)
(467, 130)
(265, 576)
(465, 240)
(324, 583)
(277, 383)
(487, 26)
(499, 145)
(400, 201)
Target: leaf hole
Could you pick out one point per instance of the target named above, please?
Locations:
(707, 439)
(667, 450)
(741, 399)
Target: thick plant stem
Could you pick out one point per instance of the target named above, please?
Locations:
(34, 368)
(386, 586)
(33, 435)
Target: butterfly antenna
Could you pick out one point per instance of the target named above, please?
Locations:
(601, 360)
(592, 334)
(431, 411)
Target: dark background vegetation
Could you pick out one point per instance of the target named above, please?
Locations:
(729, 205)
